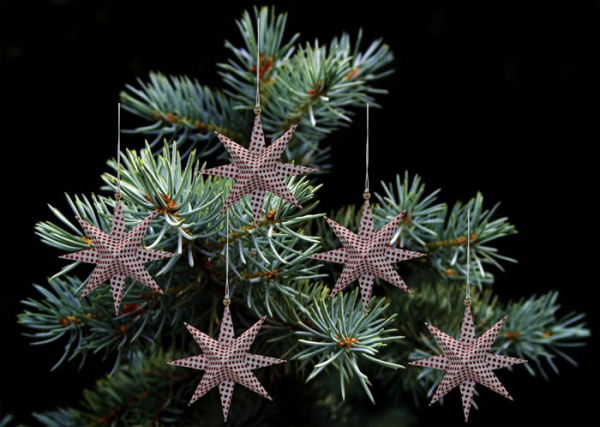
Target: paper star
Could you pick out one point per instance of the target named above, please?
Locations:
(118, 255)
(367, 255)
(468, 362)
(257, 170)
(227, 361)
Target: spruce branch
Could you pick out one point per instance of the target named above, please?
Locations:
(182, 110)
(422, 211)
(316, 86)
(313, 86)
(6, 420)
(89, 326)
(448, 251)
(240, 70)
(430, 228)
(264, 261)
(337, 334)
(190, 223)
(533, 330)
(442, 234)
(145, 393)
(155, 393)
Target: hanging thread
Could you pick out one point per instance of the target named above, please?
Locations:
(227, 299)
(118, 193)
(468, 293)
(257, 109)
(367, 194)
(367, 168)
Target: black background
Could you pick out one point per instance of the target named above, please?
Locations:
(495, 97)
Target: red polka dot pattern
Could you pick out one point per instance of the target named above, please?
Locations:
(257, 170)
(227, 361)
(118, 255)
(367, 255)
(468, 362)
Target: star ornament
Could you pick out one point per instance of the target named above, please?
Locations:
(118, 255)
(468, 361)
(227, 361)
(367, 255)
(257, 170)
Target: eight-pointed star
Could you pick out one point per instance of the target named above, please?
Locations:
(227, 361)
(367, 255)
(257, 170)
(468, 362)
(118, 255)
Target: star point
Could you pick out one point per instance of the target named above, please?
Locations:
(257, 170)
(117, 255)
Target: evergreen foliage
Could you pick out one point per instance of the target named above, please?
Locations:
(328, 342)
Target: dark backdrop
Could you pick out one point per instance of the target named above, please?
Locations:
(486, 97)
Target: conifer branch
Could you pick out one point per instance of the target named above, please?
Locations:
(337, 334)
(316, 86)
(313, 86)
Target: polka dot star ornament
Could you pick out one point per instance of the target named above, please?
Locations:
(257, 169)
(368, 254)
(227, 361)
(468, 361)
(118, 255)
